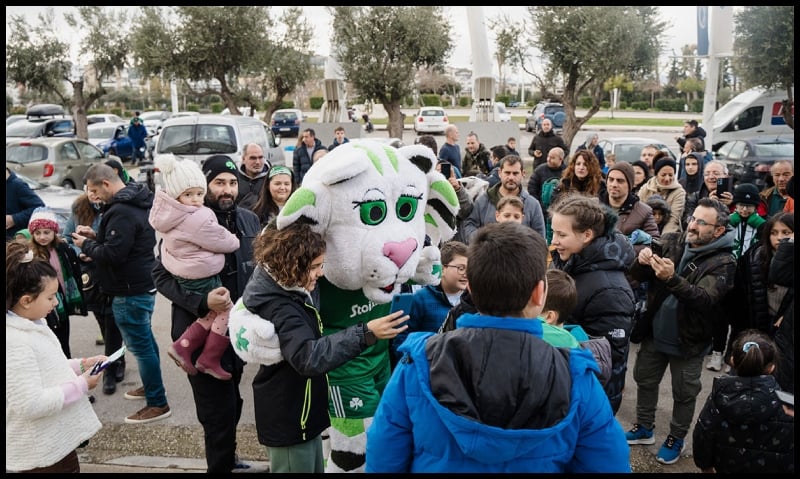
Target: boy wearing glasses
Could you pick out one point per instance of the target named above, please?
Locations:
(431, 303)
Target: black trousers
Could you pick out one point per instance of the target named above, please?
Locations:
(219, 407)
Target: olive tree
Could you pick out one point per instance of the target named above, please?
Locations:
(38, 56)
(764, 50)
(589, 45)
(381, 49)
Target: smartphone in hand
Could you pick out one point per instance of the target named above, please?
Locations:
(402, 302)
(101, 365)
(723, 185)
(446, 170)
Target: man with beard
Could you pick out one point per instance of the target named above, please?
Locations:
(218, 403)
(775, 196)
(687, 282)
(483, 211)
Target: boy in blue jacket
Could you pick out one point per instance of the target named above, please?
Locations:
(447, 407)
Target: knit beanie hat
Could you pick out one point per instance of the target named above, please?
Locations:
(217, 164)
(626, 169)
(121, 171)
(665, 162)
(746, 194)
(43, 218)
(179, 175)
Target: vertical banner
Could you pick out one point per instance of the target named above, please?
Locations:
(721, 31)
(702, 30)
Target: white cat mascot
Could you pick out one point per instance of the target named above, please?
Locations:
(374, 205)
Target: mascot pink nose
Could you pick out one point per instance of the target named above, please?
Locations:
(400, 252)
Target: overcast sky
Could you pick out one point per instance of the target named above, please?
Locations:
(682, 30)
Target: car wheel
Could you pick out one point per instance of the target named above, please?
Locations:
(68, 185)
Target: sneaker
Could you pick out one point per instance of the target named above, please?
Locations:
(135, 393)
(149, 414)
(640, 435)
(670, 451)
(715, 363)
(99, 341)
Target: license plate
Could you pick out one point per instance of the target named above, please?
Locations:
(286, 129)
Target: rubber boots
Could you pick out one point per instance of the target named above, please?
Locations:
(194, 337)
(110, 378)
(208, 362)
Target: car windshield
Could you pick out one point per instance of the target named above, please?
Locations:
(774, 149)
(285, 116)
(102, 133)
(210, 140)
(151, 115)
(432, 113)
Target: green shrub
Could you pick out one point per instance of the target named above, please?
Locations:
(464, 101)
(585, 102)
(697, 106)
(640, 105)
(431, 100)
(217, 107)
(316, 102)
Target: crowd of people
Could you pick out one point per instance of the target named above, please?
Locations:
(593, 261)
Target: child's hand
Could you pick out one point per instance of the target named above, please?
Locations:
(92, 380)
(389, 326)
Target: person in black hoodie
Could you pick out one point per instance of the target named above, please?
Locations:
(123, 250)
(543, 142)
(691, 129)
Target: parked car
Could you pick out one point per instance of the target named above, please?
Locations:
(54, 161)
(545, 109)
(514, 104)
(197, 137)
(501, 112)
(45, 120)
(112, 138)
(244, 110)
(286, 122)
(749, 161)
(153, 120)
(629, 148)
(431, 119)
(104, 118)
(56, 198)
(15, 118)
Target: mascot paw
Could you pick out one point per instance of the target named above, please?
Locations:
(253, 337)
(429, 268)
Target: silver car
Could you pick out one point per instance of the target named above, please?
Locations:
(54, 161)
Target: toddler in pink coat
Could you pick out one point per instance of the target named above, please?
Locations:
(193, 249)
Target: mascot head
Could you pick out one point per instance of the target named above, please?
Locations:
(374, 205)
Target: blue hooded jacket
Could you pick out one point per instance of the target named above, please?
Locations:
(492, 396)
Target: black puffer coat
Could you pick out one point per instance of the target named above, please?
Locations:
(605, 299)
(742, 428)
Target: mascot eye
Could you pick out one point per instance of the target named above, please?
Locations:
(407, 208)
(372, 212)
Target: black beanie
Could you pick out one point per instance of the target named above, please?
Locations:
(216, 164)
(665, 162)
(746, 194)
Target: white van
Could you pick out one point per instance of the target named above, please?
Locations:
(200, 136)
(755, 112)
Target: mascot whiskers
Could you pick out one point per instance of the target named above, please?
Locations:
(374, 205)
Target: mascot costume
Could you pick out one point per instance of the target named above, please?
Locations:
(374, 205)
